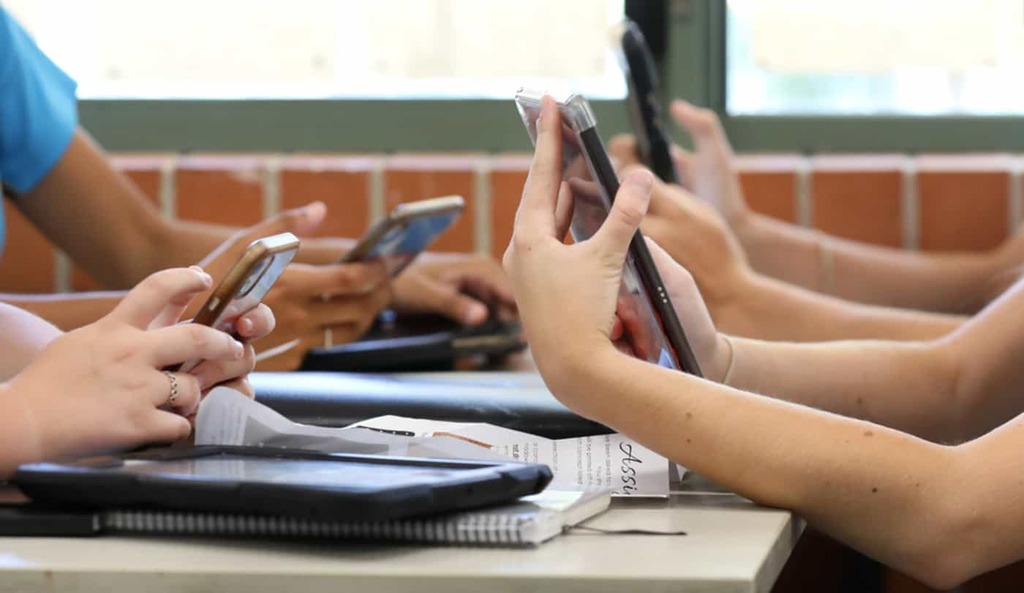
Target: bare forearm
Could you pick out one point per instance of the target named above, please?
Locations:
(866, 273)
(67, 311)
(769, 309)
(909, 386)
(848, 477)
(22, 337)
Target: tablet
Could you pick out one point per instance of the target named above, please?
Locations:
(285, 482)
(651, 326)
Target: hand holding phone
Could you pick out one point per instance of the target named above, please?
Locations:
(648, 318)
(407, 231)
(245, 285)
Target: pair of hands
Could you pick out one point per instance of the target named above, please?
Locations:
(308, 300)
(567, 293)
(102, 387)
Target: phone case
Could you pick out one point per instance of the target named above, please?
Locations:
(406, 232)
(644, 305)
(645, 111)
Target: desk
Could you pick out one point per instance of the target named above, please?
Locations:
(732, 546)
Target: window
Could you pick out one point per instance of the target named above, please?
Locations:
(236, 49)
(874, 57)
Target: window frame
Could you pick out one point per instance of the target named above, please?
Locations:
(820, 134)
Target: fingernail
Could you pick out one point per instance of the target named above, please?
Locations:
(642, 179)
(245, 326)
(476, 313)
(239, 349)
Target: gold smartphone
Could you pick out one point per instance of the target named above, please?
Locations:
(408, 230)
(246, 284)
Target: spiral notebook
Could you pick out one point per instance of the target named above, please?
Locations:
(530, 521)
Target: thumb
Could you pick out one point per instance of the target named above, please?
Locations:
(628, 210)
(300, 221)
(700, 123)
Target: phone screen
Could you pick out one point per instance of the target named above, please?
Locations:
(593, 185)
(401, 244)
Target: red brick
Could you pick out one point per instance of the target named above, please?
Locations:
(342, 182)
(221, 189)
(963, 201)
(409, 177)
(858, 197)
(28, 260)
(508, 174)
(769, 183)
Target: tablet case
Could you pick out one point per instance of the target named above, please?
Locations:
(309, 485)
(340, 399)
(417, 343)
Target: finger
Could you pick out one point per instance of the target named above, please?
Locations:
(334, 279)
(628, 210)
(617, 329)
(683, 160)
(210, 373)
(672, 273)
(563, 210)
(446, 299)
(535, 216)
(243, 386)
(701, 124)
(256, 323)
(165, 427)
(623, 148)
(358, 309)
(300, 221)
(176, 391)
(148, 301)
(189, 341)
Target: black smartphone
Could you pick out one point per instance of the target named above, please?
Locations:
(640, 70)
(650, 322)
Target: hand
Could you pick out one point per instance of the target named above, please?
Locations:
(567, 293)
(101, 388)
(708, 171)
(695, 235)
(713, 352)
(308, 300)
(464, 287)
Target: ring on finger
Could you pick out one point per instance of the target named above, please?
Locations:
(172, 395)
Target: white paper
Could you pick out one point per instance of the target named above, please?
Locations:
(611, 461)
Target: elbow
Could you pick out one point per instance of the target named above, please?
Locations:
(947, 546)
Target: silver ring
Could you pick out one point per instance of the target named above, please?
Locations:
(173, 395)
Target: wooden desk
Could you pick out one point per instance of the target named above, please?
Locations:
(731, 546)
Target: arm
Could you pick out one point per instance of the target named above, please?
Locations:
(952, 282)
(745, 303)
(939, 513)
(22, 337)
(66, 311)
(808, 258)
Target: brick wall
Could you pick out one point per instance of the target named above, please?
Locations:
(932, 202)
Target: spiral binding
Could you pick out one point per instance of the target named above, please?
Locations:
(512, 529)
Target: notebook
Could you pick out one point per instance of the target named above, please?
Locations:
(530, 521)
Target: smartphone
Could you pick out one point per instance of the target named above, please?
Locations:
(645, 112)
(649, 320)
(246, 284)
(409, 229)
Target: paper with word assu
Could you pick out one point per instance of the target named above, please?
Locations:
(226, 417)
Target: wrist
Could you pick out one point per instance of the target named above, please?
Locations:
(20, 440)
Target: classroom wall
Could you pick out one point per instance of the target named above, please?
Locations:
(931, 202)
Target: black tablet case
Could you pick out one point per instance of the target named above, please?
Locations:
(361, 487)
(416, 343)
(339, 399)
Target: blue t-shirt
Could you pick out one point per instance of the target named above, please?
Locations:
(37, 110)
